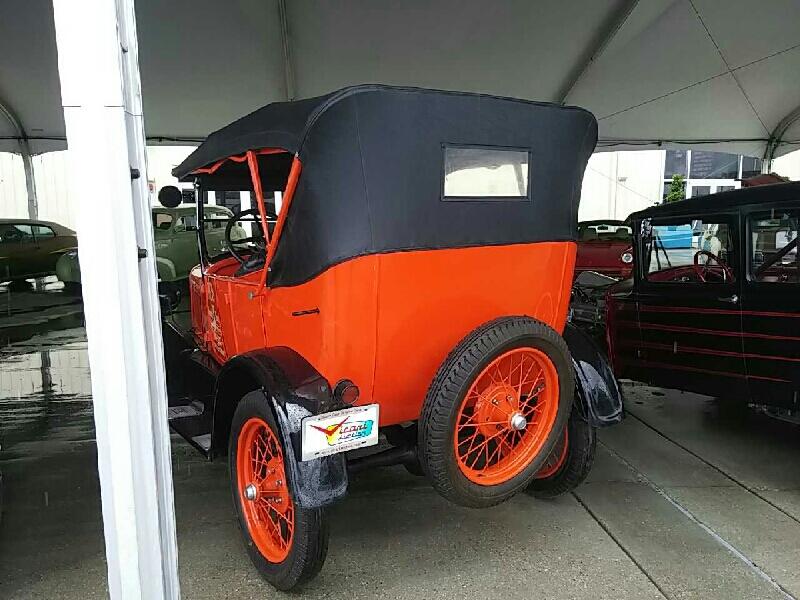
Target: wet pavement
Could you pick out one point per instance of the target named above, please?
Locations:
(689, 498)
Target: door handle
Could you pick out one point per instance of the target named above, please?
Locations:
(730, 299)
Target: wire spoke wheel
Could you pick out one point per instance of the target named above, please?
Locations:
(506, 416)
(263, 491)
(495, 411)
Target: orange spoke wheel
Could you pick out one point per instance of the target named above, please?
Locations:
(263, 491)
(506, 416)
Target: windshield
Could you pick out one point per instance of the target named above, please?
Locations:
(217, 217)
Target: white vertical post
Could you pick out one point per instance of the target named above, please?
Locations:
(100, 89)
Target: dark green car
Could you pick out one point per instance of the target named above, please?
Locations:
(31, 248)
(175, 239)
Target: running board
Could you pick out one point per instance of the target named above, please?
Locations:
(188, 419)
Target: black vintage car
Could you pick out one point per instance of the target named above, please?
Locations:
(714, 303)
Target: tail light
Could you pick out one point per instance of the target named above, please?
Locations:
(346, 392)
(627, 256)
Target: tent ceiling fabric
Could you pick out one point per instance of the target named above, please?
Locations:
(716, 74)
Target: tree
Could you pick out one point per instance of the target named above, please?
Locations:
(677, 189)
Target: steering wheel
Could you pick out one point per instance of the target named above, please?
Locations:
(248, 253)
(703, 269)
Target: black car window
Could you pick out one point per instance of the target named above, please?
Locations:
(187, 223)
(43, 232)
(690, 251)
(16, 234)
(162, 221)
(773, 246)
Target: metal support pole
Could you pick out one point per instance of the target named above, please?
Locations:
(288, 72)
(27, 158)
(30, 181)
(100, 90)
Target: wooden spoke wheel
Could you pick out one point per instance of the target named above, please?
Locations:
(496, 410)
(286, 543)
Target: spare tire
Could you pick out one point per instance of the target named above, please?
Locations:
(495, 410)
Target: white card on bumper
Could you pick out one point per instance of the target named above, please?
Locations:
(340, 431)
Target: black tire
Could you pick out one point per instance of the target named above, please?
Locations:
(310, 537)
(451, 384)
(581, 446)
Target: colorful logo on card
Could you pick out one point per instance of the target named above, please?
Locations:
(344, 431)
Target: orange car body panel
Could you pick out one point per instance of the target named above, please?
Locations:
(384, 321)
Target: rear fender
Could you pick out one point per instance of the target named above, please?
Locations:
(294, 390)
(597, 394)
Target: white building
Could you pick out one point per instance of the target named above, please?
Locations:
(615, 185)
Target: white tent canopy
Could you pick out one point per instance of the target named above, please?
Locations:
(710, 73)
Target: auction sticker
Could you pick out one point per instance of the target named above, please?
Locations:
(340, 431)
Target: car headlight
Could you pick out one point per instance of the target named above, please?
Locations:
(627, 258)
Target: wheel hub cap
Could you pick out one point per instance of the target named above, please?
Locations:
(518, 422)
(251, 492)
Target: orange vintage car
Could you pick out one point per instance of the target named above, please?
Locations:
(408, 305)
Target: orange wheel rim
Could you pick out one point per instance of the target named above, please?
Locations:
(263, 492)
(506, 416)
(556, 459)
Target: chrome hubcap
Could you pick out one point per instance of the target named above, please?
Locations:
(518, 422)
(250, 492)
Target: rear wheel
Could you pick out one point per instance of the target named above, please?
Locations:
(286, 543)
(570, 461)
(494, 410)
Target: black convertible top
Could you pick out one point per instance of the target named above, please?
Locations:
(373, 171)
(723, 201)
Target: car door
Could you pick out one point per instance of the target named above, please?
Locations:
(48, 248)
(163, 222)
(770, 306)
(183, 245)
(18, 255)
(688, 305)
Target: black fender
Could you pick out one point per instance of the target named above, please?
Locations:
(294, 389)
(597, 394)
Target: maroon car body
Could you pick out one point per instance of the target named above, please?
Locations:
(605, 247)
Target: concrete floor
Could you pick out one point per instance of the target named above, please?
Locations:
(687, 500)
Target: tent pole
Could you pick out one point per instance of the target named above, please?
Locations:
(101, 95)
(30, 180)
(27, 158)
(776, 137)
(288, 73)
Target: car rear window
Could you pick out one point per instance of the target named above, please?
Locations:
(43, 232)
(486, 173)
(604, 232)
